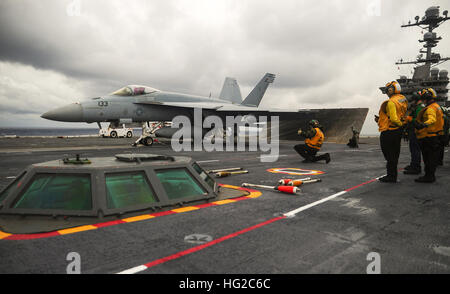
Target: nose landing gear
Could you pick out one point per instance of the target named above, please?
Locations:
(148, 134)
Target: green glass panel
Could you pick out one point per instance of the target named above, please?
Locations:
(128, 189)
(57, 191)
(204, 175)
(10, 187)
(178, 183)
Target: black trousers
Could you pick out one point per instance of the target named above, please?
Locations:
(442, 142)
(390, 142)
(308, 153)
(430, 147)
(414, 148)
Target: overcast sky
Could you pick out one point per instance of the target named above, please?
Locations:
(325, 54)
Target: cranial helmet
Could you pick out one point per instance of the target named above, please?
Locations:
(429, 93)
(314, 123)
(393, 88)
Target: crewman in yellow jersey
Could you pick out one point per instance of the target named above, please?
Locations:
(429, 126)
(314, 138)
(390, 122)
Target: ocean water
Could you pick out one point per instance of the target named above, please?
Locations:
(54, 132)
(24, 132)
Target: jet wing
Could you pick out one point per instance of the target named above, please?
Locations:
(190, 105)
(220, 107)
(337, 122)
(241, 108)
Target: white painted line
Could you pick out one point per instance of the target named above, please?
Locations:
(281, 155)
(133, 270)
(204, 161)
(381, 177)
(300, 209)
(13, 177)
(200, 247)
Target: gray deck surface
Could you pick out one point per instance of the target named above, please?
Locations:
(407, 223)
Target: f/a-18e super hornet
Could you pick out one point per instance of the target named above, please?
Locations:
(142, 104)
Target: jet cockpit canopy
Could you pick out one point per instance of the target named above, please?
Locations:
(134, 90)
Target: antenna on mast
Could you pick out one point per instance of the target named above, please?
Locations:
(430, 21)
(426, 74)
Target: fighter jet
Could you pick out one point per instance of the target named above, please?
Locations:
(135, 103)
(142, 104)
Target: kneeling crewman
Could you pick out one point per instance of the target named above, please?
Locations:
(429, 126)
(313, 142)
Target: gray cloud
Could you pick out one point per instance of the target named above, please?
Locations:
(325, 53)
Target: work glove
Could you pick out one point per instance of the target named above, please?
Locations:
(419, 125)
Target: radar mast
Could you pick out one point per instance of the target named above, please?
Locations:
(426, 74)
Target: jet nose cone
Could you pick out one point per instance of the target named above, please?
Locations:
(69, 113)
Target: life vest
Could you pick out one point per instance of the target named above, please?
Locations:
(316, 141)
(435, 129)
(401, 105)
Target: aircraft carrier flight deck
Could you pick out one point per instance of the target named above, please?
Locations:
(333, 226)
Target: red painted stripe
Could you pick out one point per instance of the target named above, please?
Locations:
(31, 236)
(110, 223)
(162, 213)
(224, 238)
(213, 242)
(205, 205)
(116, 222)
(240, 198)
(357, 186)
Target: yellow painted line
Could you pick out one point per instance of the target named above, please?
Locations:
(224, 201)
(77, 229)
(4, 235)
(254, 194)
(184, 209)
(137, 218)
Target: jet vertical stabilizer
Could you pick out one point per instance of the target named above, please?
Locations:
(255, 96)
(231, 91)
